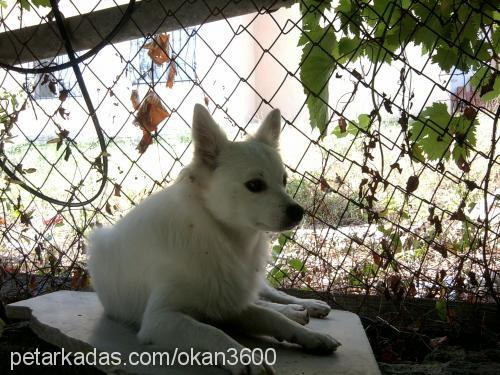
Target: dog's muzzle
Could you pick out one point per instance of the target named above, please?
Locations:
(294, 214)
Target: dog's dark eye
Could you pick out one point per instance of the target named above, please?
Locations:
(256, 185)
(284, 180)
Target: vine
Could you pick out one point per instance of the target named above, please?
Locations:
(454, 36)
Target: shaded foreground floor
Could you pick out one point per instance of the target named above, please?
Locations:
(75, 321)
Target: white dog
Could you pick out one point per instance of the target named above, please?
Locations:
(194, 255)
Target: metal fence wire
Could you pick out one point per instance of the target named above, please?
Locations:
(400, 183)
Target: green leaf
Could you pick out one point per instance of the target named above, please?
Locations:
(495, 39)
(417, 154)
(480, 77)
(446, 58)
(350, 16)
(3, 3)
(276, 251)
(26, 4)
(442, 309)
(283, 237)
(349, 49)
(317, 66)
(296, 264)
(364, 122)
(429, 131)
(424, 36)
(276, 276)
(495, 89)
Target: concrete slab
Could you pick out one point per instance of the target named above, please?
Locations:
(76, 322)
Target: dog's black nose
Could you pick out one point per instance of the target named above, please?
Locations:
(294, 212)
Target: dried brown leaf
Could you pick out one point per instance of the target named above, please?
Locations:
(159, 49)
(63, 95)
(134, 98)
(118, 190)
(151, 112)
(342, 125)
(171, 75)
(412, 184)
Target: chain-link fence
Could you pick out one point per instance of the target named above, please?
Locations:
(390, 117)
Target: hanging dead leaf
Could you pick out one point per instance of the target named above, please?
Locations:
(172, 72)
(63, 113)
(442, 249)
(394, 282)
(412, 184)
(79, 279)
(63, 95)
(342, 125)
(53, 87)
(55, 220)
(26, 216)
(458, 215)
(470, 113)
(462, 164)
(489, 86)
(145, 141)
(471, 185)
(118, 190)
(206, 100)
(108, 208)
(75, 279)
(377, 259)
(388, 105)
(402, 75)
(53, 140)
(403, 121)
(397, 166)
(134, 98)
(324, 185)
(158, 49)
(67, 153)
(151, 112)
(45, 79)
(472, 278)
(29, 170)
(357, 74)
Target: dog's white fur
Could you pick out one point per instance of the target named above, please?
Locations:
(194, 254)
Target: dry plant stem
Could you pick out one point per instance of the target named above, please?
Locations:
(487, 275)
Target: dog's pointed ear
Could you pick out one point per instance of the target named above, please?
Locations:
(269, 130)
(208, 138)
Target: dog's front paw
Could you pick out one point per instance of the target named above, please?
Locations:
(316, 308)
(319, 343)
(252, 368)
(297, 313)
